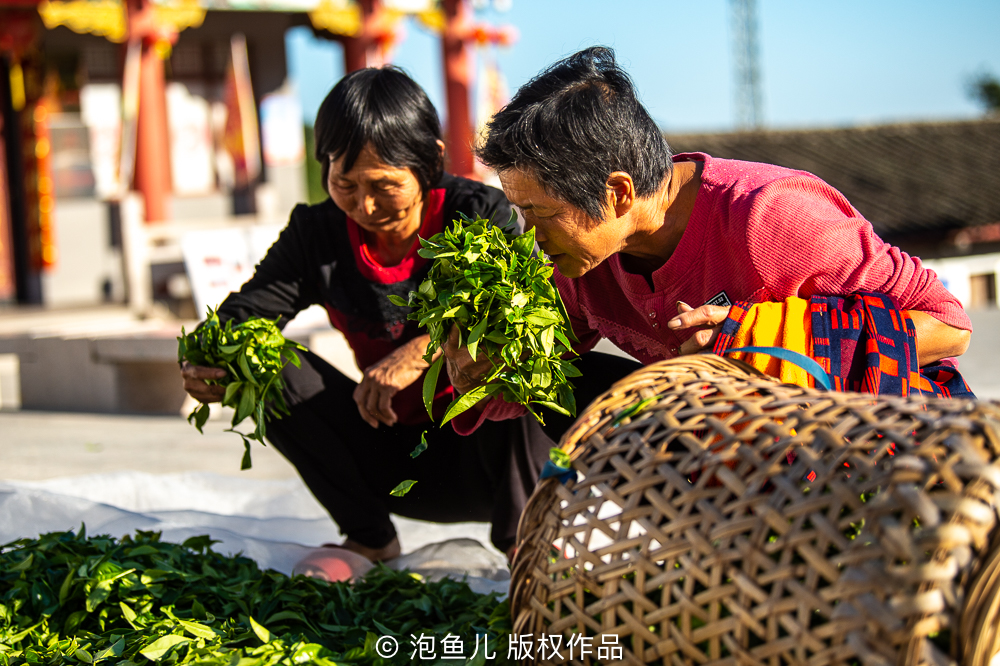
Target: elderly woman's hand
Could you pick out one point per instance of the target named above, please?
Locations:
(194, 377)
(383, 380)
(707, 319)
(464, 373)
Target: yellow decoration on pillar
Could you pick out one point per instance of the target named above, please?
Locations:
(105, 18)
(433, 19)
(179, 14)
(162, 48)
(337, 16)
(17, 97)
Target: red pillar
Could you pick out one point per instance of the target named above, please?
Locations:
(366, 49)
(29, 225)
(152, 150)
(458, 79)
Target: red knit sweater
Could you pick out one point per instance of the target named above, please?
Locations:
(757, 232)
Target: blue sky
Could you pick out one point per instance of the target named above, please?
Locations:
(851, 62)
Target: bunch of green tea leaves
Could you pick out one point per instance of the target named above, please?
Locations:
(69, 599)
(490, 284)
(253, 354)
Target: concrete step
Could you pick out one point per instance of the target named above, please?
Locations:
(106, 361)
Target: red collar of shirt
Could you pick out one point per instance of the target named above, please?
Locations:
(369, 266)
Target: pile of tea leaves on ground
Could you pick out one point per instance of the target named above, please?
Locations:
(68, 598)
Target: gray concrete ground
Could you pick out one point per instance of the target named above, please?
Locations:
(43, 445)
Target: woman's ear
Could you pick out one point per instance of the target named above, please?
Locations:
(621, 192)
(440, 144)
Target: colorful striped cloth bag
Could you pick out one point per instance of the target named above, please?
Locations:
(861, 343)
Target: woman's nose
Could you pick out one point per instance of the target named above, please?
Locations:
(367, 205)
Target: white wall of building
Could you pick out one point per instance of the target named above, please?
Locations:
(956, 273)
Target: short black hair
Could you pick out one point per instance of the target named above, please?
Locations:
(572, 126)
(384, 107)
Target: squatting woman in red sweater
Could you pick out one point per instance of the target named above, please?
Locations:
(652, 249)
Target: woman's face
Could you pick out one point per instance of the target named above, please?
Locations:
(379, 197)
(573, 240)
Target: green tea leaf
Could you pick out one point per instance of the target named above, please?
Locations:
(116, 650)
(430, 384)
(524, 244)
(497, 337)
(402, 488)
(568, 369)
(263, 634)
(542, 317)
(541, 375)
(427, 290)
(421, 447)
(555, 407)
(246, 463)
(634, 410)
(566, 397)
(200, 416)
(468, 400)
(231, 390)
(560, 458)
(247, 402)
(198, 630)
(158, 648)
(547, 339)
(476, 335)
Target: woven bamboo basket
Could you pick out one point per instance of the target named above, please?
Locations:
(719, 517)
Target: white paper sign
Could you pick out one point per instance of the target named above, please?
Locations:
(219, 261)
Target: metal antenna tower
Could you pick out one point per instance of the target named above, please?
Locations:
(749, 113)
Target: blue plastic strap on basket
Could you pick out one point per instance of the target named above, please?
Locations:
(794, 357)
(551, 469)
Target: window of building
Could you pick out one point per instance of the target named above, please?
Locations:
(983, 291)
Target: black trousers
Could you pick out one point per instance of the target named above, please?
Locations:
(350, 467)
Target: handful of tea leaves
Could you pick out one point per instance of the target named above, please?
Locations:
(253, 354)
(489, 283)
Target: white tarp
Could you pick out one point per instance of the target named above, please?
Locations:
(274, 522)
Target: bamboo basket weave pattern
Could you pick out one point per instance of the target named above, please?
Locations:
(719, 517)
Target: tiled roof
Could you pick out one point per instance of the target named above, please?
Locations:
(906, 179)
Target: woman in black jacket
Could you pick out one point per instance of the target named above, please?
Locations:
(379, 140)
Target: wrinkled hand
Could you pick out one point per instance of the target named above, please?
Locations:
(464, 373)
(194, 377)
(707, 320)
(383, 380)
